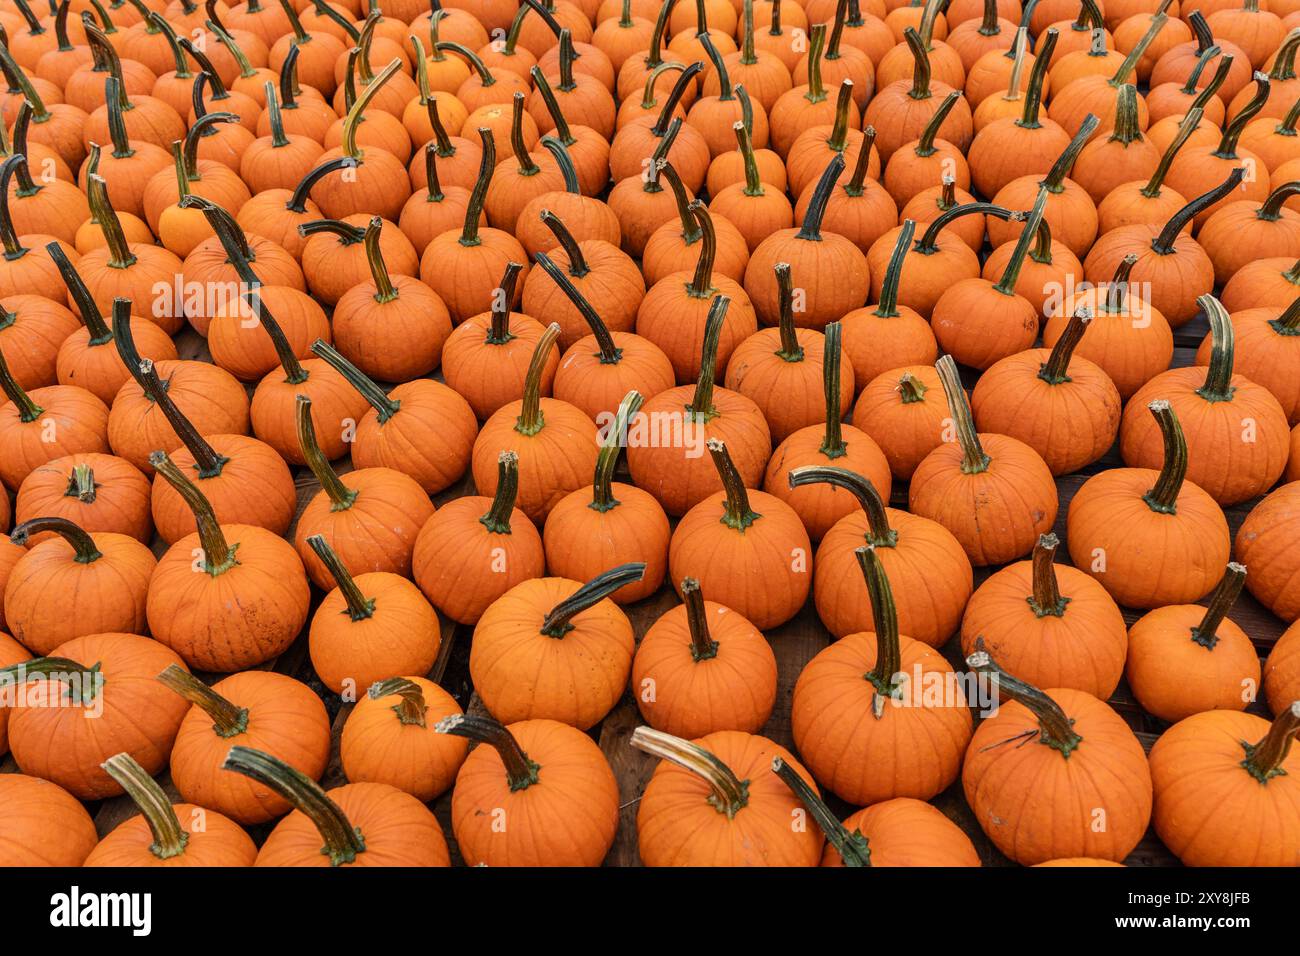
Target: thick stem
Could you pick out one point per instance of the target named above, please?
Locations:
(1194, 77)
(1126, 129)
(1163, 244)
(560, 619)
(833, 444)
(602, 484)
(1130, 61)
(359, 606)
(1190, 122)
(279, 139)
(81, 483)
(1218, 385)
(791, 350)
(208, 463)
(497, 518)
(725, 93)
(911, 389)
(811, 230)
(343, 841)
(353, 119)
(701, 284)
(920, 65)
(13, 248)
(691, 229)
(553, 107)
(1056, 728)
(531, 420)
(1065, 162)
(674, 97)
(218, 556)
(703, 646)
(974, 460)
(839, 138)
(1271, 209)
(498, 332)
(578, 266)
(229, 233)
(1007, 284)
(340, 495)
(120, 255)
(83, 545)
(925, 145)
(729, 794)
(521, 772)
(298, 201)
(816, 92)
(227, 719)
(564, 161)
(736, 514)
(378, 399)
(1046, 598)
(1221, 602)
(385, 291)
(884, 618)
(474, 208)
(1056, 370)
(753, 183)
(410, 707)
(702, 410)
(928, 244)
(1163, 496)
(852, 847)
(1264, 759)
(879, 533)
(887, 307)
(169, 837)
(610, 354)
(1227, 148)
(1212, 88)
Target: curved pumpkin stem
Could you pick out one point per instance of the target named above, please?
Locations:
(84, 549)
(887, 307)
(28, 410)
(691, 232)
(81, 483)
(208, 462)
(410, 707)
(379, 400)
(521, 772)
(879, 533)
(1224, 597)
(169, 837)
(1055, 178)
(1056, 370)
(602, 486)
(474, 208)
(816, 92)
(1227, 148)
(839, 138)
(790, 350)
(1046, 598)
(974, 460)
(701, 409)
(497, 518)
(360, 607)
(1218, 385)
(343, 841)
(120, 255)
(729, 794)
(218, 557)
(1163, 496)
(498, 332)
(833, 444)
(559, 621)
(340, 495)
(884, 617)
(736, 512)
(701, 284)
(531, 420)
(562, 130)
(925, 144)
(1057, 730)
(1264, 759)
(811, 230)
(298, 200)
(852, 847)
(928, 244)
(1163, 244)
(703, 646)
(1190, 122)
(920, 65)
(227, 719)
(1007, 284)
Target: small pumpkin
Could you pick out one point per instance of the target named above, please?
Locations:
(43, 824)
(522, 674)
(903, 411)
(714, 802)
(1183, 533)
(361, 824)
(95, 492)
(1262, 544)
(993, 492)
(1077, 755)
(860, 718)
(391, 737)
(1280, 672)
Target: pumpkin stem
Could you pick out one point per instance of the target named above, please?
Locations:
(1225, 595)
(578, 266)
(659, 35)
(1056, 370)
(725, 93)
(1227, 148)
(298, 200)
(1046, 598)
(497, 518)
(82, 544)
(602, 487)
(736, 512)
(837, 31)
(729, 794)
(410, 707)
(208, 463)
(648, 99)
(559, 621)
(884, 616)
(521, 772)
(155, 24)
(691, 229)
(227, 719)
(531, 419)
(340, 495)
(218, 556)
(925, 145)
(1190, 122)
(385, 291)
(674, 97)
(852, 847)
(499, 311)
(360, 607)
(974, 460)
(701, 409)
(1126, 129)
(526, 165)
(1271, 210)
(1065, 162)
(13, 247)
(353, 119)
(300, 36)
(474, 208)
(1284, 60)
(1264, 759)
(544, 90)
(1057, 729)
(81, 483)
(1202, 61)
(246, 70)
(833, 444)
(433, 191)
(879, 533)
(920, 65)
(610, 353)
(1201, 30)
(811, 230)
(703, 646)
(279, 139)
(911, 389)
(343, 841)
(774, 27)
(887, 307)
(701, 284)
(1130, 62)
(84, 683)
(790, 350)
(28, 410)
(748, 55)
(660, 156)
(839, 138)
(1218, 385)
(1288, 323)
(39, 113)
(1017, 53)
(169, 837)
(1007, 284)
(928, 244)
(120, 255)
(379, 400)
(1163, 496)
(816, 92)
(1163, 244)
(753, 184)
(564, 161)
(1288, 125)
(228, 232)
(200, 128)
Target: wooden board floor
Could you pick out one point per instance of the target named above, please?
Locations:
(794, 643)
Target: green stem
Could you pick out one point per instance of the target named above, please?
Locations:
(602, 487)
(1007, 284)
(884, 618)
(343, 841)
(497, 518)
(857, 181)
(737, 513)
(703, 646)
(833, 444)
(1046, 599)
(531, 420)
(1202, 61)
(1126, 129)
(13, 248)
(701, 409)
(1163, 244)
(278, 138)
(1163, 496)
(879, 533)
(563, 160)
(701, 284)
(360, 607)
(790, 350)
(925, 145)
(728, 793)
(811, 230)
(521, 772)
(1227, 148)
(816, 92)
(169, 837)
(974, 461)
(1264, 760)
(1218, 385)
(227, 719)
(1271, 209)
(83, 545)
(852, 847)
(218, 556)
(1224, 597)
(928, 244)
(1056, 728)
(610, 353)
(499, 322)
(1192, 120)
(1061, 168)
(384, 288)
(578, 266)
(692, 232)
(839, 138)
(298, 201)
(377, 398)
(474, 208)
(559, 621)
(725, 93)
(353, 119)
(81, 484)
(1056, 370)
(208, 463)
(410, 707)
(665, 120)
(340, 495)
(553, 107)
(920, 65)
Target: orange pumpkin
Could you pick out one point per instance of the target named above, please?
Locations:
(1263, 545)
(95, 492)
(43, 824)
